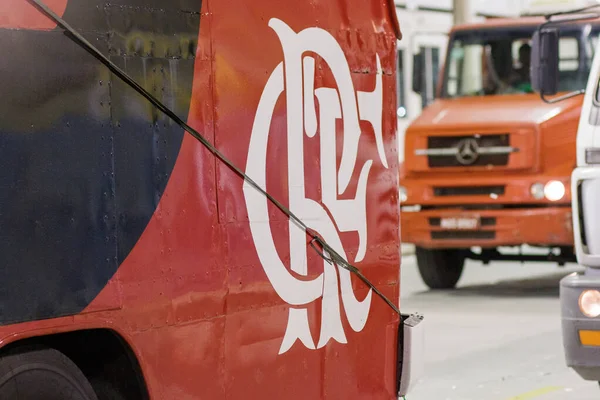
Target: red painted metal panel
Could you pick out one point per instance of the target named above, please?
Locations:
(193, 297)
(16, 14)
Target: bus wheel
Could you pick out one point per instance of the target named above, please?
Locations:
(42, 374)
(440, 268)
(106, 391)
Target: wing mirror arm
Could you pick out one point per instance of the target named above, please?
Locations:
(563, 97)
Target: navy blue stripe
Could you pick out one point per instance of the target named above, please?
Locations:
(84, 160)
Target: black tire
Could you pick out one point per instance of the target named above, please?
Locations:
(106, 391)
(440, 268)
(42, 374)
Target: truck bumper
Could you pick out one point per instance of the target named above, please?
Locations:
(547, 226)
(581, 334)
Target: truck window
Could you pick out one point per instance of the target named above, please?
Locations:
(568, 54)
(597, 92)
(496, 61)
(591, 47)
(432, 70)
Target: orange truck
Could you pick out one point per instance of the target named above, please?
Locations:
(487, 164)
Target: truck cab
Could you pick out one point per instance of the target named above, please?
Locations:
(487, 165)
(579, 291)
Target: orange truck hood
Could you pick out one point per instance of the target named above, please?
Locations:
(475, 112)
(540, 131)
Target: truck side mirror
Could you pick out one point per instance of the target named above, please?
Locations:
(544, 61)
(418, 76)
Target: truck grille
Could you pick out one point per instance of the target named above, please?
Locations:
(462, 235)
(468, 190)
(492, 150)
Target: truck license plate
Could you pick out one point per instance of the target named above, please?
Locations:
(460, 223)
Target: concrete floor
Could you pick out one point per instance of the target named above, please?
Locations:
(496, 337)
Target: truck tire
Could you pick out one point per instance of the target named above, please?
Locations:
(42, 374)
(440, 268)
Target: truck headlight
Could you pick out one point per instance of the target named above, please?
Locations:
(589, 303)
(403, 194)
(554, 190)
(537, 191)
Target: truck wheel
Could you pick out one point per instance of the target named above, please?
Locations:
(440, 269)
(42, 374)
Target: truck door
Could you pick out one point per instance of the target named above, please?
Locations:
(410, 104)
(433, 47)
(586, 177)
(404, 112)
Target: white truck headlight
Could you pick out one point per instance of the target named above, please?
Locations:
(554, 190)
(403, 194)
(589, 303)
(537, 191)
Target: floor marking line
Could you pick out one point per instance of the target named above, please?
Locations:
(536, 393)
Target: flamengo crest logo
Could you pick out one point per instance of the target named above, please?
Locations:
(297, 74)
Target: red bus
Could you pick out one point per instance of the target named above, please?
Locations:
(181, 184)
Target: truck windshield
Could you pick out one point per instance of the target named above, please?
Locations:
(496, 61)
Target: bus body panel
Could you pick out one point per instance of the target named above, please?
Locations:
(116, 219)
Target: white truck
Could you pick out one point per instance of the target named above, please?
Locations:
(579, 292)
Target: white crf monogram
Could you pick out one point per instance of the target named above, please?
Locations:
(297, 75)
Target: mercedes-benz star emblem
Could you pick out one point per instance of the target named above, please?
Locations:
(468, 151)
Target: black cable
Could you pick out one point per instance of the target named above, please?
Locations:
(334, 258)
